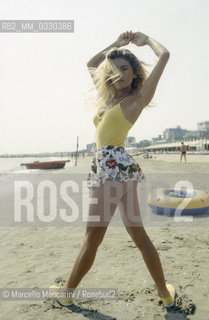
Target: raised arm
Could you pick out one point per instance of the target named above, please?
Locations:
(146, 93)
(99, 57)
(122, 40)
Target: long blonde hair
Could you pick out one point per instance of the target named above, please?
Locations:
(107, 73)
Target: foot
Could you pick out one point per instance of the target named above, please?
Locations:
(164, 293)
(61, 296)
(169, 298)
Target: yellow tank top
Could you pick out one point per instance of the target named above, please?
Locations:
(112, 127)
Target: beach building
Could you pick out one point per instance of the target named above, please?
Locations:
(195, 145)
(171, 133)
(90, 148)
(203, 126)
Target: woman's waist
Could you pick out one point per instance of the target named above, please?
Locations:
(110, 147)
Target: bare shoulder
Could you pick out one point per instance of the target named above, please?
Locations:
(132, 107)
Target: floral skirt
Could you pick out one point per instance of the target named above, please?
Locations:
(113, 162)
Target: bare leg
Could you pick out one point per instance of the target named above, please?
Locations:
(86, 256)
(151, 258)
(141, 239)
(93, 237)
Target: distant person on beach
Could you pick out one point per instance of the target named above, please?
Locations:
(123, 91)
(183, 151)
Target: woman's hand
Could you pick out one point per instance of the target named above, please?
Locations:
(124, 39)
(139, 39)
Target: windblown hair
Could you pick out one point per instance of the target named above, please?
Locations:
(107, 73)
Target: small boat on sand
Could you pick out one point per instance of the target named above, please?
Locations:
(45, 165)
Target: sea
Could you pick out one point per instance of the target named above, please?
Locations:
(11, 172)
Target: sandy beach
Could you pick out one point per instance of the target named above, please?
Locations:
(36, 256)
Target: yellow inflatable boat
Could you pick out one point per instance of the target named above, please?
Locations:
(172, 201)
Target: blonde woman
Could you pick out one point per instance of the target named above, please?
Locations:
(123, 91)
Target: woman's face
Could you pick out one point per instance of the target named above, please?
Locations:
(127, 74)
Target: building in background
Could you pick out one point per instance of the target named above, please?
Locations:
(130, 141)
(203, 126)
(173, 133)
(90, 148)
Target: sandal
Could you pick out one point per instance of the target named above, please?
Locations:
(63, 301)
(169, 301)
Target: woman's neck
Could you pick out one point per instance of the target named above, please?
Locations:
(118, 99)
(123, 93)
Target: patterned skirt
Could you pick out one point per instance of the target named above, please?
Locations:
(115, 163)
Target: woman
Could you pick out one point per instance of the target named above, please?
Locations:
(123, 92)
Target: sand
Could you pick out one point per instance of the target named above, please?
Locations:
(38, 256)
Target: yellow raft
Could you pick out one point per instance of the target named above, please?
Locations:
(172, 201)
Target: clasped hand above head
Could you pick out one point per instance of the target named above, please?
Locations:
(138, 38)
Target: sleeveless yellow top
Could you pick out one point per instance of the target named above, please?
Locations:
(112, 127)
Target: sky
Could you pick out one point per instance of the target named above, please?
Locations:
(44, 78)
